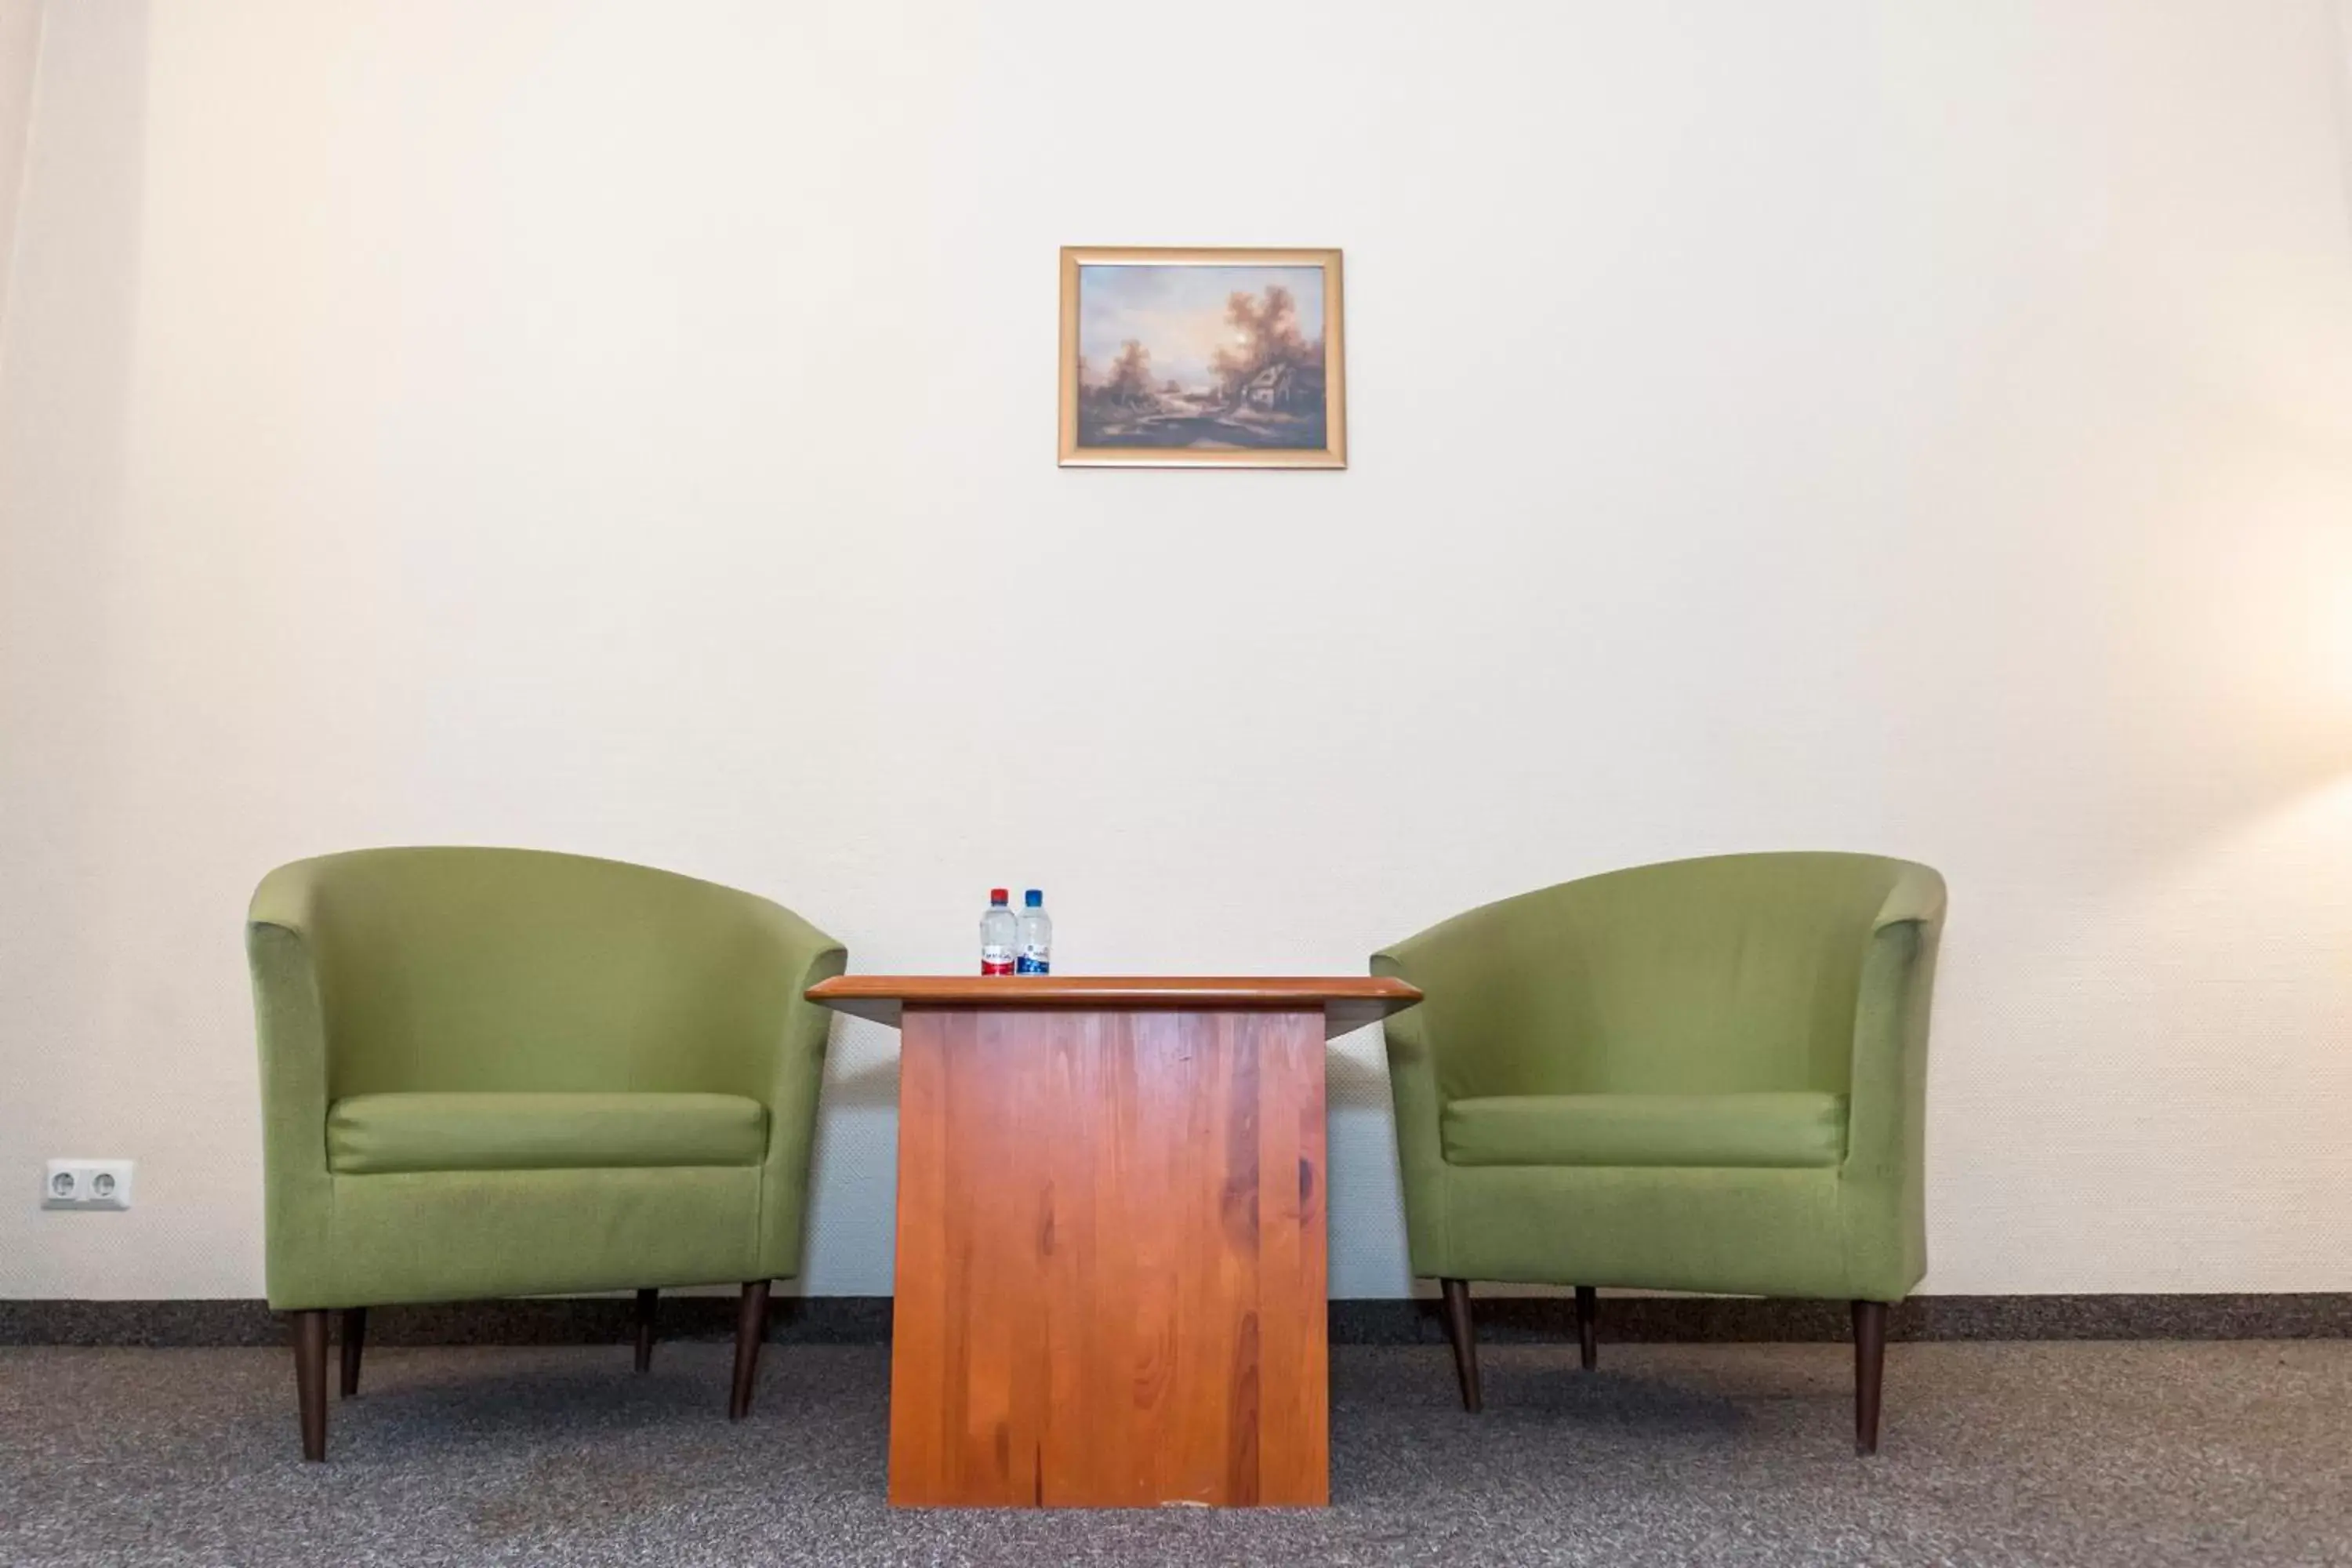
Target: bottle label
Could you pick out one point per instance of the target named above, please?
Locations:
(1034, 962)
(996, 961)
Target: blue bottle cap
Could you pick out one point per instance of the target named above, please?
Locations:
(1035, 897)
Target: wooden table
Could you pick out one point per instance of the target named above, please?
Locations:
(1111, 1256)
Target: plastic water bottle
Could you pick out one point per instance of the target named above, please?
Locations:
(997, 934)
(1037, 956)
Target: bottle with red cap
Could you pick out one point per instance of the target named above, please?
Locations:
(999, 933)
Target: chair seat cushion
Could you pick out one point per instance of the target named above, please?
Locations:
(1750, 1130)
(370, 1134)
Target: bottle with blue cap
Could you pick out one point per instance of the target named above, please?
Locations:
(1036, 943)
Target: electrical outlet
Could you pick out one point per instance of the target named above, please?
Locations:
(87, 1184)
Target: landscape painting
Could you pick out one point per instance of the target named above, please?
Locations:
(1200, 357)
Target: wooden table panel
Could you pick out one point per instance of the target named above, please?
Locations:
(1112, 1258)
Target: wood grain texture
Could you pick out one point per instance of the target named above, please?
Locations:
(1111, 1266)
(1346, 1002)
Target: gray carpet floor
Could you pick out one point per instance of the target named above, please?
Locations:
(2140, 1454)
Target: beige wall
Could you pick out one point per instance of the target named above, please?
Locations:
(626, 427)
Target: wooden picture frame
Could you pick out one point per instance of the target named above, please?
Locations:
(1203, 357)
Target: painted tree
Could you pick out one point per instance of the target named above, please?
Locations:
(1131, 374)
(1265, 332)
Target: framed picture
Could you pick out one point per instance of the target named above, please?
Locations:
(1192, 357)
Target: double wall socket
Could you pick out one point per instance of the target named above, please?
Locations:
(87, 1184)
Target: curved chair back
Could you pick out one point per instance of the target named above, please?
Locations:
(1725, 974)
(483, 969)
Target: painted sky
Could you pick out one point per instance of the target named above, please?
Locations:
(1179, 313)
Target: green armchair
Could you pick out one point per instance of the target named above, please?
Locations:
(1708, 1075)
(499, 1072)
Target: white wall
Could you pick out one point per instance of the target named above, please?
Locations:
(20, 50)
(627, 427)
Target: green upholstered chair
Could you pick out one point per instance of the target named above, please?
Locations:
(1706, 1074)
(498, 1073)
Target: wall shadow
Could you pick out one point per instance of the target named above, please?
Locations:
(68, 358)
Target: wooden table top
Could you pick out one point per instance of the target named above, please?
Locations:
(1346, 1002)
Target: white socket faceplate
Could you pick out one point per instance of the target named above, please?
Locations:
(87, 1184)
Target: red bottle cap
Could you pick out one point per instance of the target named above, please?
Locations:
(999, 895)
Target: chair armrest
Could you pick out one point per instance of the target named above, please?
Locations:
(1918, 896)
(793, 1074)
(290, 1029)
(1886, 1159)
(1413, 1095)
(1465, 1037)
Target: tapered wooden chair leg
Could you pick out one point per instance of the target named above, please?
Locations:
(750, 1328)
(311, 1380)
(1869, 1371)
(354, 1346)
(645, 1299)
(1464, 1337)
(1588, 1326)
